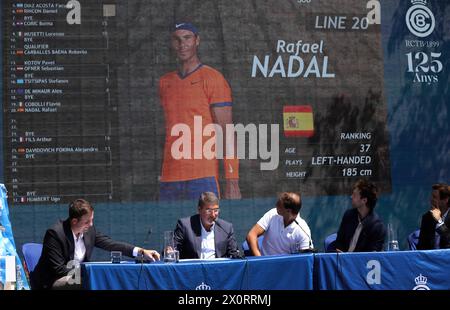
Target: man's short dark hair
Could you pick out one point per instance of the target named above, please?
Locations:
(444, 190)
(291, 201)
(208, 199)
(78, 208)
(367, 190)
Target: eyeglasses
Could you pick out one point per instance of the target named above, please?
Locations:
(209, 211)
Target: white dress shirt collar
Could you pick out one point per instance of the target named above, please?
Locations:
(79, 247)
(208, 248)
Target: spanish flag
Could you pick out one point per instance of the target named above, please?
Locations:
(298, 121)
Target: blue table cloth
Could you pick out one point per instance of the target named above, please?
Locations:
(264, 273)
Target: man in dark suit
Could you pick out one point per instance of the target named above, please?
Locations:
(435, 226)
(361, 229)
(70, 242)
(204, 235)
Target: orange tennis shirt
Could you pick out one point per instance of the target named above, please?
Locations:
(182, 99)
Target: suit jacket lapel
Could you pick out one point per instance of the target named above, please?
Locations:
(217, 239)
(69, 238)
(89, 238)
(367, 222)
(196, 226)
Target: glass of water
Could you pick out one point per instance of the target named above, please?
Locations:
(171, 255)
(295, 247)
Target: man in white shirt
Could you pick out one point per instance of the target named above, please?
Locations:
(71, 242)
(204, 235)
(285, 232)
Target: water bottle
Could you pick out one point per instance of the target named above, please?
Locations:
(392, 238)
(393, 245)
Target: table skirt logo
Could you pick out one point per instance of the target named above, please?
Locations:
(419, 19)
(421, 283)
(203, 287)
(373, 277)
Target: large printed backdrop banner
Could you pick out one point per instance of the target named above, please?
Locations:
(315, 70)
(306, 83)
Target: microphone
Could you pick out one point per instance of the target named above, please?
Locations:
(140, 257)
(310, 249)
(218, 225)
(147, 237)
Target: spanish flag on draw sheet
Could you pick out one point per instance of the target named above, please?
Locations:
(298, 121)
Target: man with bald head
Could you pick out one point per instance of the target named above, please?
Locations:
(285, 232)
(195, 96)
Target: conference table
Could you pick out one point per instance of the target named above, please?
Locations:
(252, 273)
(401, 270)
(397, 270)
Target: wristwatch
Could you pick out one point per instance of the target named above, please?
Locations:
(440, 222)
